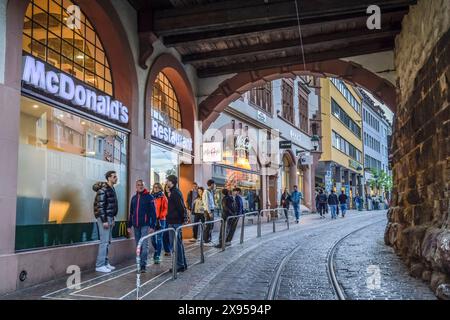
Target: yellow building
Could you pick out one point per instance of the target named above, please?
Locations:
(341, 164)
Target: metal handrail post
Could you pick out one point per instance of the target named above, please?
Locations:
(243, 224)
(138, 256)
(273, 219)
(259, 220)
(202, 256)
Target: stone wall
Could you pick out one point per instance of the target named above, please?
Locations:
(419, 220)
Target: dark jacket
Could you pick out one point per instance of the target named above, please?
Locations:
(343, 198)
(176, 211)
(227, 206)
(285, 200)
(321, 198)
(105, 203)
(142, 210)
(238, 205)
(333, 199)
(190, 201)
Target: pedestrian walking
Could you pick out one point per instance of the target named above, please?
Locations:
(176, 217)
(142, 219)
(227, 211)
(238, 210)
(209, 208)
(285, 202)
(199, 211)
(105, 211)
(160, 240)
(192, 195)
(321, 203)
(333, 204)
(343, 203)
(296, 198)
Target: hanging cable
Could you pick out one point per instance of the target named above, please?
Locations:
(300, 35)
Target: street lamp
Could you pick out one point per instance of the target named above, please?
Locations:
(315, 142)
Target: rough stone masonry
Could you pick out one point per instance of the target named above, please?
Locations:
(419, 219)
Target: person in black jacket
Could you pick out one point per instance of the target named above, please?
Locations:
(142, 218)
(105, 210)
(343, 203)
(176, 216)
(321, 203)
(285, 201)
(227, 211)
(333, 203)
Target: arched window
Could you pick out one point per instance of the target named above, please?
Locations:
(78, 50)
(165, 107)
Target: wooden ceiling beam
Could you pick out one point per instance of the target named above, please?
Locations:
(234, 13)
(308, 42)
(246, 31)
(363, 47)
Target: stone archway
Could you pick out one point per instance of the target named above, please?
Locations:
(232, 88)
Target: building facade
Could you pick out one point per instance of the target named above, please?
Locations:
(341, 164)
(376, 134)
(277, 118)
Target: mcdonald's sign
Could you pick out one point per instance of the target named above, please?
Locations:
(123, 229)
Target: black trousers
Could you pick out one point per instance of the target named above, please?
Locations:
(207, 233)
(322, 207)
(232, 225)
(198, 217)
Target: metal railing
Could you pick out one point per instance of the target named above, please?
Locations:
(138, 256)
(202, 255)
(243, 224)
(224, 225)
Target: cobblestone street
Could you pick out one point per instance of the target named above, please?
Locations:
(288, 264)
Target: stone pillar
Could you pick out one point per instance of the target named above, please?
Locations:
(419, 219)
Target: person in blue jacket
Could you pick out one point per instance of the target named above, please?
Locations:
(296, 199)
(142, 218)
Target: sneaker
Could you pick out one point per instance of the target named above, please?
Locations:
(193, 240)
(228, 243)
(157, 260)
(218, 246)
(182, 269)
(143, 269)
(167, 254)
(103, 269)
(110, 267)
(296, 221)
(209, 244)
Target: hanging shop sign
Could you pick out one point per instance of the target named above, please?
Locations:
(212, 151)
(295, 136)
(285, 144)
(43, 78)
(306, 159)
(170, 136)
(354, 164)
(261, 116)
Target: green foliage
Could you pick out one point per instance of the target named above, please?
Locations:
(380, 181)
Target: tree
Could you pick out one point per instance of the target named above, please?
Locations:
(380, 181)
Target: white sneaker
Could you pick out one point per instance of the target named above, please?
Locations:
(103, 269)
(228, 243)
(110, 267)
(209, 244)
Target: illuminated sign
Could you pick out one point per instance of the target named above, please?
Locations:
(212, 151)
(170, 136)
(242, 143)
(63, 87)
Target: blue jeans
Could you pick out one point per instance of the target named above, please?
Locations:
(105, 236)
(297, 211)
(333, 209)
(343, 208)
(157, 241)
(181, 256)
(140, 232)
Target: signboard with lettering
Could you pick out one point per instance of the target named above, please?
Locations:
(52, 83)
(285, 144)
(306, 159)
(354, 164)
(212, 151)
(242, 143)
(170, 136)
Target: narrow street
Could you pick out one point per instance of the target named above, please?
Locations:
(288, 264)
